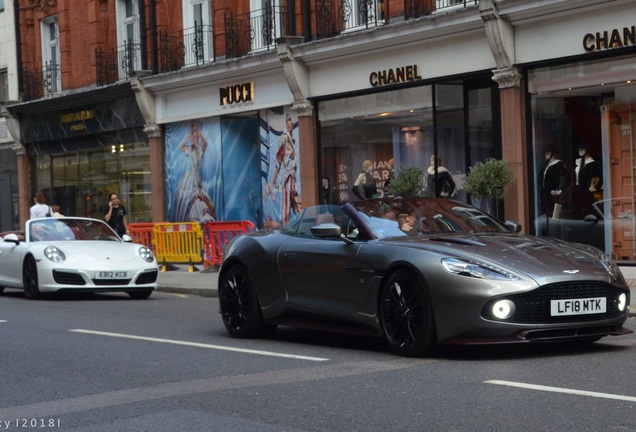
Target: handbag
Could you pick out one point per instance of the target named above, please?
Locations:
(49, 213)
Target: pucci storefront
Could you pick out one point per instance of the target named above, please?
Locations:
(231, 144)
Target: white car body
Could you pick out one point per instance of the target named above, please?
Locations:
(93, 258)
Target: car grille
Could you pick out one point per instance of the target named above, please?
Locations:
(65, 278)
(534, 307)
(147, 277)
(101, 282)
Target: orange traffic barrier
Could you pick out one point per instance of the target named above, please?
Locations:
(217, 234)
(141, 232)
(180, 242)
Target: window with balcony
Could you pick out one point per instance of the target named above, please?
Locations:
(128, 37)
(266, 23)
(52, 76)
(362, 13)
(197, 32)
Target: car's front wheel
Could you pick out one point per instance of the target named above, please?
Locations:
(140, 295)
(30, 278)
(240, 310)
(406, 315)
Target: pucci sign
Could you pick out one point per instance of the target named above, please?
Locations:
(236, 94)
(610, 39)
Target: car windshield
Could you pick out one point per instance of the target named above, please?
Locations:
(398, 217)
(69, 229)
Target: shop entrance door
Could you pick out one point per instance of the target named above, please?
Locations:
(618, 124)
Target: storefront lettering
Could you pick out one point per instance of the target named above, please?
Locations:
(607, 40)
(394, 76)
(77, 116)
(237, 93)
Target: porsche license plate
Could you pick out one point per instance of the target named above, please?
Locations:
(111, 274)
(586, 306)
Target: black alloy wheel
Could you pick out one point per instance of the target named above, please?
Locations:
(406, 316)
(30, 278)
(240, 310)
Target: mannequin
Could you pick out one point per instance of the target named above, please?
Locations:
(366, 180)
(553, 180)
(588, 181)
(442, 184)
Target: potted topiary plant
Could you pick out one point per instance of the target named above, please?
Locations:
(488, 179)
(408, 182)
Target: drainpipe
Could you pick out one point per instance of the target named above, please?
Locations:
(307, 21)
(141, 6)
(153, 36)
(18, 45)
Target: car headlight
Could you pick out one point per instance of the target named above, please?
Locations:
(146, 254)
(54, 254)
(610, 265)
(477, 270)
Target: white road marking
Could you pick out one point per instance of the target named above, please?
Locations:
(3, 321)
(200, 345)
(562, 390)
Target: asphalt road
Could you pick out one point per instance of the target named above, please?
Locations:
(107, 363)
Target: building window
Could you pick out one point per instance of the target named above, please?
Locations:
(4, 85)
(266, 23)
(52, 76)
(128, 37)
(197, 31)
(1, 5)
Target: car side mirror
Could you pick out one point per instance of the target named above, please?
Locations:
(12, 238)
(127, 238)
(513, 226)
(590, 218)
(326, 230)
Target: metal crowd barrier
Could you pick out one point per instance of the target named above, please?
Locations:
(218, 234)
(186, 242)
(141, 232)
(178, 243)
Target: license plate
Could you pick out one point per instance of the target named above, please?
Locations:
(586, 306)
(111, 275)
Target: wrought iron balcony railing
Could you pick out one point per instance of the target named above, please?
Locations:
(418, 8)
(189, 47)
(442, 4)
(39, 82)
(117, 64)
(337, 16)
(255, 31)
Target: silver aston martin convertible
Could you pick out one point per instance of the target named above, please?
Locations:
(419, 272)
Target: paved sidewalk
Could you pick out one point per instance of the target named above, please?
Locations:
(205, 283)
(202, 282)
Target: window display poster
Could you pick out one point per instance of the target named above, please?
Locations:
(241, 178)
(193, 170)
(280, 179)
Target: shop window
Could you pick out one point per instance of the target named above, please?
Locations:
(411, 128)
(582, 115)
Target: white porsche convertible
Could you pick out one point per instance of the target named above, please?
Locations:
(75, 254)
